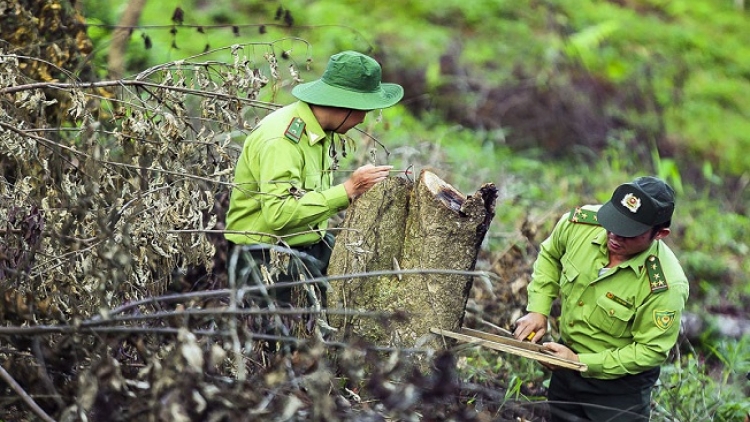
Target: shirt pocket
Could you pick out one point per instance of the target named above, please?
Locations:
(568, 277)
(312, 181)
(611, 317)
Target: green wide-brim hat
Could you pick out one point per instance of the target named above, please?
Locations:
(351, 80)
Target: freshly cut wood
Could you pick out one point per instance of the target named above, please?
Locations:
(435, 227)
(513, 347)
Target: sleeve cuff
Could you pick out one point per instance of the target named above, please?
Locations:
(336, 197)
(594, 363)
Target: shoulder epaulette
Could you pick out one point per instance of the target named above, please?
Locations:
(655, 275)
(580, 215)
(295, 130)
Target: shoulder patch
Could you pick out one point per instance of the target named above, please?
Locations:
(655, 275)
(664, 319)
(295, 130)
(579, 215)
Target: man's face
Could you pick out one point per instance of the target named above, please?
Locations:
(630, 246)
(351, 119)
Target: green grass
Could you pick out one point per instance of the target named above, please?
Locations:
(708, 387)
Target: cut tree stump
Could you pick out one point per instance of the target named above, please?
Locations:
(398, 225)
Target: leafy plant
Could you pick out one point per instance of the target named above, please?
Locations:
(711, 388)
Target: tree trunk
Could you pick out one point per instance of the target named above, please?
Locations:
(372, 240)
(397, 225)
(121, 36)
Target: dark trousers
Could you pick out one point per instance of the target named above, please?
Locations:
(267, 268)
(572, 397)
(268, 265)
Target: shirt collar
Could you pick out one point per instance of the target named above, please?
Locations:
(315, 133)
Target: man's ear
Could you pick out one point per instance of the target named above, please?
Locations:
(662, 233)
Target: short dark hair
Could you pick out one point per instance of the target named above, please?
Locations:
(659, 227)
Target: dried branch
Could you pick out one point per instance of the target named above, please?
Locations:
(38, 411)
(134, 83)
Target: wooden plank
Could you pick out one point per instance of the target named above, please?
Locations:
(513, 349)
(505, 340)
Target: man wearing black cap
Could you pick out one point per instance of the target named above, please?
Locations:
(284, 190)
(622, 292)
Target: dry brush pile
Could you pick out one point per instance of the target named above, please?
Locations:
(115, 298)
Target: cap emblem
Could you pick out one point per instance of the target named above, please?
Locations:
(631, 202)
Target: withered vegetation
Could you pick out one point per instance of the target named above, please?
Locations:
(116, 304)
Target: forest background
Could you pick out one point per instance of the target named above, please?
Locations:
(556, 102)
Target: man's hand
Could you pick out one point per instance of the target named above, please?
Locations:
(365, 178)
(531, 326)
(560, 351)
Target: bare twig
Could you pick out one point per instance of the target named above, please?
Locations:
(101, 325)
(49, 142)
(233, 330)
(226, 292)
(5, 376)
(135, 83)
(42, 371)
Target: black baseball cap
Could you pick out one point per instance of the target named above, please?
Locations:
(637, 207)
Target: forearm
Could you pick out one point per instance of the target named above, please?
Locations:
(289, 214)
(631, 359)
(545, 285)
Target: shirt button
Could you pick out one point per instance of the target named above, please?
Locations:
(580, 303)
(611, 311)
(570, 324)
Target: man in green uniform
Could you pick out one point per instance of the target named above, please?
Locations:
(284, 190)
(622, 292)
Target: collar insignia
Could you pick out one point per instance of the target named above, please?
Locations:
(295, 130)
(579, 215)
(656, 277)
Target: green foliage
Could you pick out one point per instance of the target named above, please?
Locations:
(728, 231)
(694, 388)
(669, 170)
(483, 367)
(584, 46)
(695, 55)
(690, 388)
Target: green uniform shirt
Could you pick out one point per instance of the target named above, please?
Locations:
(283, 181)
(624, 321)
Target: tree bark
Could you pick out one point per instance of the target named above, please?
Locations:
(372, 238)
(121, 36)
(434, 227)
